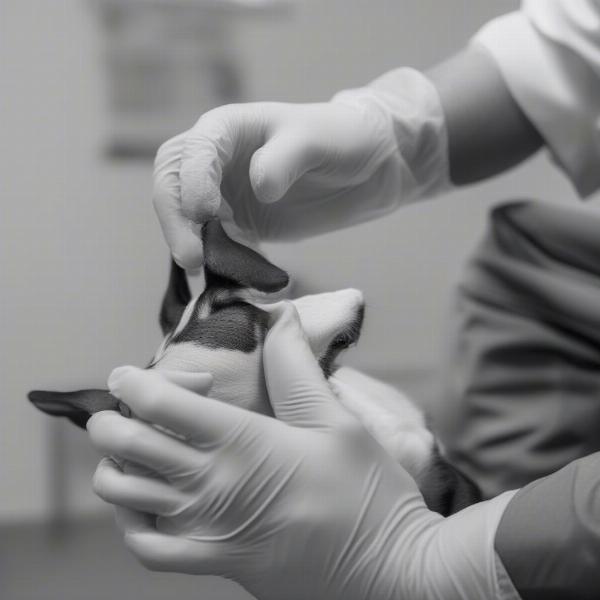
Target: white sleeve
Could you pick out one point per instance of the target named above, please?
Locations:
(549, 55)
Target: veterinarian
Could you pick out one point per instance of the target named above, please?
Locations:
(307, 505)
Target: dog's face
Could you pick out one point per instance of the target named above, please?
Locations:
(222, 331)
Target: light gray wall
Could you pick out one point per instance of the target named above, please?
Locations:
(82, 261)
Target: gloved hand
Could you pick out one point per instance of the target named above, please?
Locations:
(274, 171)
(306, 505)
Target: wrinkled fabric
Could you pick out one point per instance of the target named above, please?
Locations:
(521, 386)
(549, 55)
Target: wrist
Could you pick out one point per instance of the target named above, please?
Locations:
(408, 106)
(455, 557)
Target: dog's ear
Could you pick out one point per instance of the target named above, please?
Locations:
(77, 406)
(226, 259)
(176, 298)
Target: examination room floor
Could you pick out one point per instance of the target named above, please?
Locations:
(87, 561)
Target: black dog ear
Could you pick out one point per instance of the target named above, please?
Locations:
(226, 259)
(77, 406)
(176, 298)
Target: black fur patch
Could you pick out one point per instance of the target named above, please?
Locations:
(447, 490)
(231, 325)
(176, 298)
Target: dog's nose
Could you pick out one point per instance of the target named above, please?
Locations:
(325, 316)
(352, 298)
(347, 304)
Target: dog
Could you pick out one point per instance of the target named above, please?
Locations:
(222, 331)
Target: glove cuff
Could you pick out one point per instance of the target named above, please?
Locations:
(457, 556)
(411, 109)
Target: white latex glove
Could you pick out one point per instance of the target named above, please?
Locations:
(307, 505)
(274, 171)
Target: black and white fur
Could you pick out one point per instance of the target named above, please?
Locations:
(222, 331)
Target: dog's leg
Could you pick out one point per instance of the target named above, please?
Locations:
(388, 415)
(400, 427)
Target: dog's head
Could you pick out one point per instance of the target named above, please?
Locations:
(222, 330)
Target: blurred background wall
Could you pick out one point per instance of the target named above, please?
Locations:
(82, 261)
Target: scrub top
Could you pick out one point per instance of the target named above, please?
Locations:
(549, 55)
(521, 386)
(521, 391)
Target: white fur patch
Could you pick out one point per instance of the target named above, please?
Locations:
(237, 376)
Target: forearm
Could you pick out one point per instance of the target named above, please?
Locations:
(487, 131)
(548, 538)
